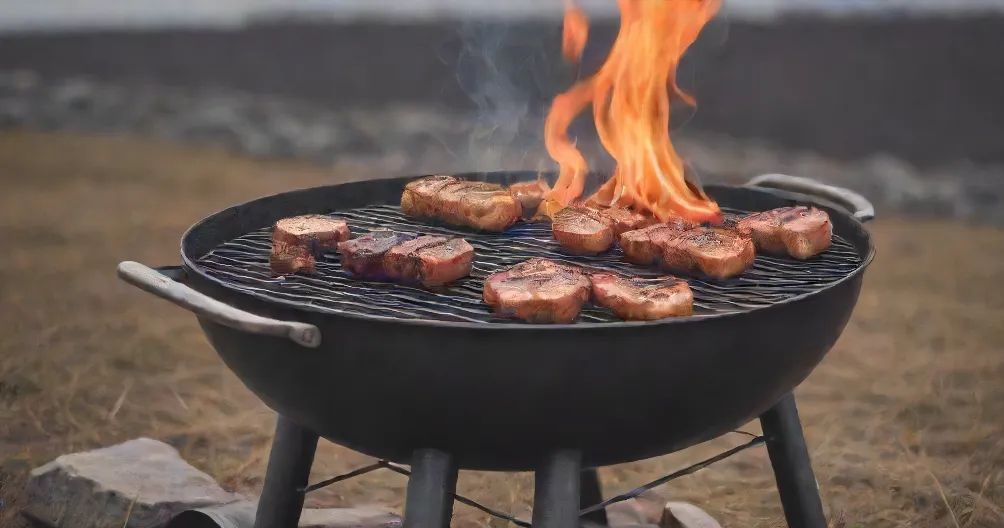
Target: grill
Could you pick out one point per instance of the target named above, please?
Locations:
(242, 263)
(432, 379)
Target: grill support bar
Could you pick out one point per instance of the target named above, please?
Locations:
(564, 493)
(433, 481)
(288, 469)
(591, 492)
(556, 491)
(792, 468)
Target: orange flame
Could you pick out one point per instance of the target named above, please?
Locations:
(574, 33)
(630, 95)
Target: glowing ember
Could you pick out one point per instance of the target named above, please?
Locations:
(630, 95)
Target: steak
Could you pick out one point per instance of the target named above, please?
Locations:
(529, 194)
(363, 256)
(710, 251)
(623, 219)
(538, 291)
(479, 205)
(801, 232)
(637, 300)
(644, 246)
(298, 241)
(582, 230)
(429, 260)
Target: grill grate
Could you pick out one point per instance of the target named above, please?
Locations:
(243, 265)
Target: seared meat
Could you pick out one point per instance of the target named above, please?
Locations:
(429, 260)
(538, 291)
(529, 194)
(582, 230)
(800, 232)
(363, 256)
(715, 252)
(623, 219)
(642, 300)
(643, 246)
(299, 240)
(480, 205)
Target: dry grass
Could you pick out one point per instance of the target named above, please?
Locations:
(904, 418)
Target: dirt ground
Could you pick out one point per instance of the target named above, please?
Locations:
(904, 419)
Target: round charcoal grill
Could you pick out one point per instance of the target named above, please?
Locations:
(433, 378)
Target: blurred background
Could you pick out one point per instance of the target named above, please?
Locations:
(122, 123)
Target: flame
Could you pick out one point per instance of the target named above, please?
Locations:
(574, 33)
(630, 96)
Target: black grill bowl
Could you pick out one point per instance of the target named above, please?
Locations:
(500, 396)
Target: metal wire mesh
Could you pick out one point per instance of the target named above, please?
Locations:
(243, 265)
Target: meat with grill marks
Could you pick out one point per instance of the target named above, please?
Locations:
(642, 300)
(529, 194)
(429, 260)
(714, 252)
(800, 232)
(298, 241)
(623, 219)
(644, 246)
(582, 230)
(479, 205)
(538, 291)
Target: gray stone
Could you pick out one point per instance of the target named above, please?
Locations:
(686, 515)
(141, 483)
(241, 515)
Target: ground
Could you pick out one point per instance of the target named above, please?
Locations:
(904, 418)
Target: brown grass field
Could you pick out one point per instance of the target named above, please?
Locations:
(904, 418)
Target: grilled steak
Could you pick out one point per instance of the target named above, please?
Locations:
(582, 230)
(643, 246)
(429, 260)
(298, 241)
(623, 219)
(714, 252)
(636, 300)
(800, 232)
(363, 256)
(529, 194)
(538, 291)
(480, 205)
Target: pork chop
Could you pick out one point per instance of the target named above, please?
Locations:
(529, 194)
(582, 230)
(643, 246)
(479, 205)
(637, 300)
(429, 260)
(363, 256)
(800, 232)
(623, 219)
(710, 251)
(538, 291)
(298, 241)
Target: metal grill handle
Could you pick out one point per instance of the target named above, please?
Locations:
(858, 205)
(150, 280)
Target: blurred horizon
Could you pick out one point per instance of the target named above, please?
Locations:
(76, 15)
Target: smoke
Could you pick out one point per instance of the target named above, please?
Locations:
(510, 70)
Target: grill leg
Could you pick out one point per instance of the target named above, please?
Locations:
(591, 490)
(288, 468)
(792, 469)
(429, 503)
(556, 491)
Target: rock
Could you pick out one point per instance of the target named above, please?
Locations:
(685, 515)
(142, 480)
(640, 510)
(241, 515)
